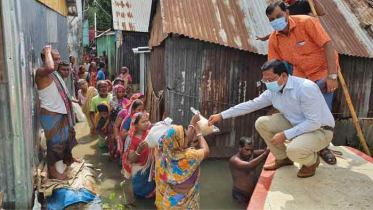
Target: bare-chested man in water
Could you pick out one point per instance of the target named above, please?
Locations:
(243, 165)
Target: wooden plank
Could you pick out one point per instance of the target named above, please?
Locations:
(1, 199)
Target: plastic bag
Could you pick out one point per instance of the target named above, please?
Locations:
(157, 131)
(203, 124)
(78, 112)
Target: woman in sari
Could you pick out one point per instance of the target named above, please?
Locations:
(138, 157)
(119, 101)
(92, 74)
(117, 104)
(135, 97)
(126, 76)
(123, 115)
(104, 127)
(91, 92)
(177, 171)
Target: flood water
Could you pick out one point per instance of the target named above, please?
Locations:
(216, 181)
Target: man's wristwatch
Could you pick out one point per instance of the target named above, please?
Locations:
(333, 76)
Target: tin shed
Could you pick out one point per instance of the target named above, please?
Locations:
(106, 42)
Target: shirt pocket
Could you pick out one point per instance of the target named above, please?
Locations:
(305, 47)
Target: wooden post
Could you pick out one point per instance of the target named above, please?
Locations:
(355, 120)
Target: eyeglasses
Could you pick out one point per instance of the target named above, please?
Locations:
(270, 80)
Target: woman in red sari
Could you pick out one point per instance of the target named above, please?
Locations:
(138, 157)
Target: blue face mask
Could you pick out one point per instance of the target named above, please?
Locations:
(274, 86)
(279, 24)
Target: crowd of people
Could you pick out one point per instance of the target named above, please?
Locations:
(300, 76)
(170, 171)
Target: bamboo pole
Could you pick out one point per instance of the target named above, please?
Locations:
(355, 120)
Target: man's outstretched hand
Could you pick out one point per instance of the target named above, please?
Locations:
(214, 119)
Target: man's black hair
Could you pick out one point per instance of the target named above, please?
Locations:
(246, 141)
(277, 65)
(101, 64)
(273, 6)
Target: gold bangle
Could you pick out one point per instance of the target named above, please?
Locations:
(198, 135)
(137, 153)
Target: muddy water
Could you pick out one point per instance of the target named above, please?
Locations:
(216, 182)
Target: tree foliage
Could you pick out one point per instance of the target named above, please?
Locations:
(104, 21)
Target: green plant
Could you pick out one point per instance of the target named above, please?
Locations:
(112, 198)
(102, 9)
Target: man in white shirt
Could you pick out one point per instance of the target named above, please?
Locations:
(304, 119)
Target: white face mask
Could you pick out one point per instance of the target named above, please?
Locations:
(279, 24)
(274, 86)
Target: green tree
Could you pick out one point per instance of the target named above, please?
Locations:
(103, 10)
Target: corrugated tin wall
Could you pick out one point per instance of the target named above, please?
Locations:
(126, 55)
(156, 67)
(358, 73)
(107, 43)
(345, 132)
(75, 36)
(183, 70)
(6, 169)
(212, 78)
(30, 26)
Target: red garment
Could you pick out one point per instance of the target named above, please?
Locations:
(93, 79)
(129, 145)
(144, 154)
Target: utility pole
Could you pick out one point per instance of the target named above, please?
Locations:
(95, 25)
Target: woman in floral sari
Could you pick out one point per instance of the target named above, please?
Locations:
(138, 157)
(177, 170)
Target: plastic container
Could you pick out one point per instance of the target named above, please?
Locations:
(203, 124)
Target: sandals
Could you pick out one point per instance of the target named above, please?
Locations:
(328, 156)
